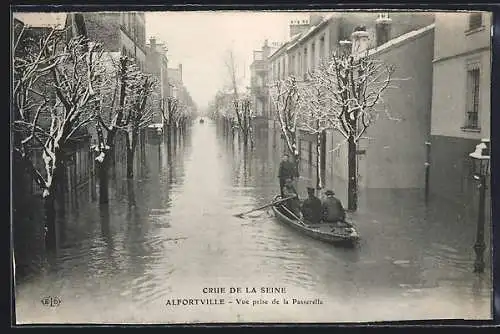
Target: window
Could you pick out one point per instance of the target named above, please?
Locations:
(80, 25)
(299, 69)
(313, 55)
(475, 21)
(306, 68)
(321, 48)
(472, 108)
(383, 16)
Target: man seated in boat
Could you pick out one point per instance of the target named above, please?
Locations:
(333, 211)
(312, 209)
(293, 204)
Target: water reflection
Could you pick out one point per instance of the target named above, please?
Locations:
(171, 232)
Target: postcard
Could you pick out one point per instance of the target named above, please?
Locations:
(186, 167)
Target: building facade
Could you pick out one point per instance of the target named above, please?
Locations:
(157, 65)
(461, 107)
(315, 39)
(394, 148)
(179, 91)
(392, 153)
(122, 32)
(259, 80)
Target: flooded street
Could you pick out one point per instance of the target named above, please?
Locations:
(170, 234)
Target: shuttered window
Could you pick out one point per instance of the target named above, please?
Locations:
(473, 89)
(475, 20)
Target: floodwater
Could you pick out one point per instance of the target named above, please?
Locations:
(171, 235)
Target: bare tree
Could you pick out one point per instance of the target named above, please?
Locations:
(218, 108)
(53, 90)
(168, 110)
(354, 86)
(313, 118)
(230, 63)
(240, 103)
(111, 115)
(285, 96)
(139, 114)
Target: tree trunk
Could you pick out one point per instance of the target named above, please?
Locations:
(320, 159)
(143, 146)
(245, 139)
(103, 175)
(319, 162)
(352, 185)
(159, 156)
(175, 138)
(169, 148)
(62, 190)
(130, 193)
(50, 220)
(130, 158)
(49, 201)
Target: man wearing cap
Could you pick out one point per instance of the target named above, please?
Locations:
(312, 208)
(333, 211)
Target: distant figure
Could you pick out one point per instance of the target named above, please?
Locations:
(333, 211)
(312, 208)
(287, 170)
(292, 204)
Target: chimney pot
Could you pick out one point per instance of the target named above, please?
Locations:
(360, 39)
(382, 29)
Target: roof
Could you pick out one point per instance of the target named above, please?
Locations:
(401, 39)
(42, 20)
(312, 30)
(296, 39)
(285, 45)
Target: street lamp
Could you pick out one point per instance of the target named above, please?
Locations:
(481, 163)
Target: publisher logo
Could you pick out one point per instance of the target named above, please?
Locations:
(50, 301)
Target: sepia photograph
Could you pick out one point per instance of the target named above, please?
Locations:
(250, 166)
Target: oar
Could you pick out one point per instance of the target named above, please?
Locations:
(294, 215)
(240, 215)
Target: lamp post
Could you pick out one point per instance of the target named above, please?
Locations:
(481, 162)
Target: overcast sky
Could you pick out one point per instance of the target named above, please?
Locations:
(201, 41)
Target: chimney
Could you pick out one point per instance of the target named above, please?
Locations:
(345, 47)
(152, 42)
(360, 39)
(382, 29)
(298, 26)
(266, 49)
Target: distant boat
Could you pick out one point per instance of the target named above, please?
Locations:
(202, 121)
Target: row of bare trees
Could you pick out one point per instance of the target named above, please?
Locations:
(235, 116)
(63, 87)
(233, 108)
(345, 94)
(175, 114)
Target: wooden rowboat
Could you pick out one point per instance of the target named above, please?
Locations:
(328, 232)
